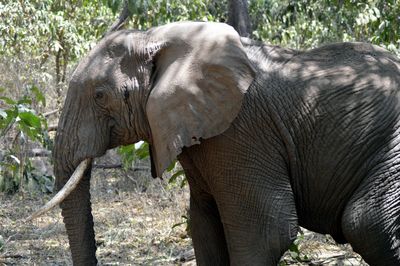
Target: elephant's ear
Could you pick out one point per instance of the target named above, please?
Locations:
(201, 75)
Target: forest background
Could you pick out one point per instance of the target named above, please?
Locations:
(41, 41)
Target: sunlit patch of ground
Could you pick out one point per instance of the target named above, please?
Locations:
(317, 249)
(134, 223)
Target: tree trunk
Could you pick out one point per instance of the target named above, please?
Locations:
(238, 17)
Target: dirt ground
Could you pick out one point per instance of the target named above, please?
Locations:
(136, 223)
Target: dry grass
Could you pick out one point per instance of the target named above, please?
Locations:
(133, 227)
(134, 218)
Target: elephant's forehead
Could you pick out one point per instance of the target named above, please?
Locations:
(95, 68)
(103, 60)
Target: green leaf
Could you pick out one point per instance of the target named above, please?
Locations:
(171, 166)
(178, 224)
(184, 222)
(8, 100)
(132, 7)
(173, 178)
(30, 119)
(184, 181)
(127, 149)
(143, 151)
(294, 248)
(114, 5)
(38, 95)
(23, 101)
(127, 154)
(12, 114)
(3, 113)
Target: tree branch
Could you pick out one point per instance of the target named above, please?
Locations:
(39, 153)
(51, 112)
(123, 17)
(118, 165)
(52, 128)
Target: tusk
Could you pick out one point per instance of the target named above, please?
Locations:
(64, 192)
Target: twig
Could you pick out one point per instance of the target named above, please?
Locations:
(12, 256)
(9, 238)
(39, 153)
(119, 165)
(186, 256)
(51, 112)
(107, 166)
(334, 257)
(52, 128)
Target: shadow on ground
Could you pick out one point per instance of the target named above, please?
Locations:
(136, 223)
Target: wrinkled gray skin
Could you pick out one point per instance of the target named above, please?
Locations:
(315, 143)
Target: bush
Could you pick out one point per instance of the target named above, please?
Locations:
(21, 125)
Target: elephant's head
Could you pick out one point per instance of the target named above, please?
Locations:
(171, 86)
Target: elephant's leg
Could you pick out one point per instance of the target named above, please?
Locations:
(207, 232)
(259, 219)
(206, 228)
(371, 220)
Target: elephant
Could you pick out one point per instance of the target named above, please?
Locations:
(269, 138)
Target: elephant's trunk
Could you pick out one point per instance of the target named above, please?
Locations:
(78, 219)
(71, 148)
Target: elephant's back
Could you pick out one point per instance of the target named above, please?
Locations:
(339, 106)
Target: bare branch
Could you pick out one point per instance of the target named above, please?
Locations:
(52, 128)
(39, 153)
(107, 166)
(51, 112)
(118, 165)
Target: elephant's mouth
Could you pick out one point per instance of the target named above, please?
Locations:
(65, 191)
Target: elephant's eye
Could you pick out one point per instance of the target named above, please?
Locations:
(99, 95)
